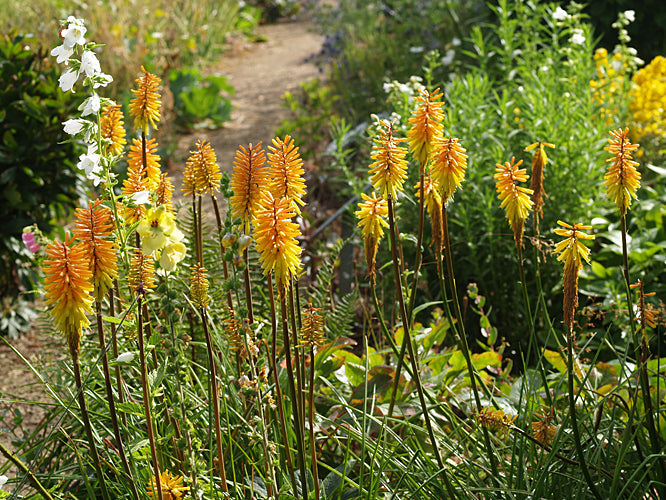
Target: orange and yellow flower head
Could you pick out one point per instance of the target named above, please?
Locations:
(448, 166)
(164, 192)
(433, 203)
(141, 277)
(199, 287)
(572, 252)
(136, 182)
(389, 170)
(515, 199)
(275, 234)
(94, 227)
(204, 168)
(151, 171)
(68, 286)
(371, 219)
(426, 125)
(172, 487)
(285, 171)
(622, 179)
(145, 105)
(248, 181)
(112, 129)
(539, 160)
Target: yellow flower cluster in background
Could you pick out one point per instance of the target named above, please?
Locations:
(648, 99)
(610, 79)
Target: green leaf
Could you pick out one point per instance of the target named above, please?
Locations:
(556, 359)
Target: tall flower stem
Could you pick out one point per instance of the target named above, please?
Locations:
(214, 397)
(298, 359)
(574, 420)
(220, 234)
(419, 242)
(248, 286)
(296, 411)
(86, 422)
(278, 390)
(407, 339)
(313, 447)
(641, 354)
(146, 397)
(111, 400)
(462, 337)
(114, 295)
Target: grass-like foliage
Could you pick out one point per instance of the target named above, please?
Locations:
(207, 357)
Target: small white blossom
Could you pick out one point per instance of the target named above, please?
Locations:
(630, 15)
(578, 38)
(139, 198)
(90, 106)
(456, 42)
(448, 58)
(90, 64)
(388, 87)
(62, 53)
(616, 65)
(125, 357)
(416, 50)
(73, 126)
(90, 163)
(74, 33)
(560, 14)
(3, 480)
(68, 79)
(101, 80)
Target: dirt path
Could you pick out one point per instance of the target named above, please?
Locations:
(261, 74)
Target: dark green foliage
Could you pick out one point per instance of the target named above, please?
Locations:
(39, 183)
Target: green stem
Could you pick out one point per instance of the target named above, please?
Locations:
(146, 398)
(407, 339)
(296, 411)
(215, 398)
(313, 447)
(419, 243)
(111, 400)
(86, 421)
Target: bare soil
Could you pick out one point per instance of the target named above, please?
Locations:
(260, 73)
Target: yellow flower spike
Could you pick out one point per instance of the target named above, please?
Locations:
(426, 125)
(448, 166)
(112, 129)
(188, 188)
(312, 331)
(206, 171)
(275, 234)
(542, 429)
(622, 179)
(389, 170)
(94, 226)
(164, 192)
(515, 199)
(248, 181)
(172, 487)
(495, 420)
(67, 284)
(646, 99)
(199, 287)
(433, 203)
(141, 277)
(145, 105)
(539, 160)
(151, 171)
(371, 214)
(285, 171)
(572, 252)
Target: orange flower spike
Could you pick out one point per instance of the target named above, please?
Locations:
(248, 181)
(433, 203)
(572, 252)
(389, 170)
(276, 234)
(426, 125)
(515, 199)
(141, 276)
(371, 214)
(539, 160)
(145, 105)
(188, 188)
(136, 182)
(94, 226)
(448, 167)
(199, 287)
(164, 193)
(203, 162)
(68, 288)
(152, 169)
(622, 179)
(285, 171)
(112, 127)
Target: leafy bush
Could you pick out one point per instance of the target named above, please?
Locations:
(38, 181)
